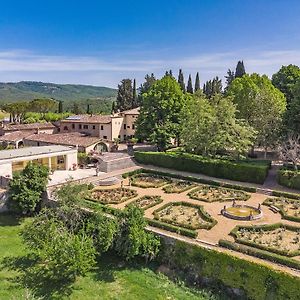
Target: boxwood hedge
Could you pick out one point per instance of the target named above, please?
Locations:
(258, 281)
(247, 171)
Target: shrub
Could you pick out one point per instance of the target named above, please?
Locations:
(285, 194)
(26, 188)
(289, 178)
(247, 171)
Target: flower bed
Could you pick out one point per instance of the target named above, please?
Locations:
(184, 214)
(277, 238)
(146, 202)
(179, 186)
(289, 208)
(149, 180)
(212, 194)
(112, 196)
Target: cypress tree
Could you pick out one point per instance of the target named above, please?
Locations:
(125, 94)
(113, 107)
(229, 78)
(240, 69)
(134, 99)
(181, 80)
(60, 107)
(197, 82)
(189, 87)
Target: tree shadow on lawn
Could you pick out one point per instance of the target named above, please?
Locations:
(8, 219)
(36, 278)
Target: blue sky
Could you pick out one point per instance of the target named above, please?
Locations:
(101, 42)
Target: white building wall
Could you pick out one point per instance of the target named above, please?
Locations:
(71, 159)
(6, 169)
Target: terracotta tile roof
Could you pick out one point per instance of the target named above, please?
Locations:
(102, 119)
(15, 136)
(70, 139)
(15, 127)
(134, 111)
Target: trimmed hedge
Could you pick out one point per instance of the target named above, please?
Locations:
(172, 228)
(246, 171)
(267, 227)
(289, 178)
(157, 201)
(135, 177)
(206, 217)
(173, 188)
(286, 195)
(273, 257)
(258, 281)
(193, 179)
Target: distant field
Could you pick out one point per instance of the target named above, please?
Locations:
(113, 279)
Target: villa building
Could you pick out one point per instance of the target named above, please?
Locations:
(29, 128)
(55, 157)
(106, 127)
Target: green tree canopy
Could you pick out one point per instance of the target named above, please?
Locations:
(160, 113)
(292, 116)
(210, 126)
(26, 188)
(125, 95)
(240, 69)
(189, 87)
(181, 80)
(260, 104)
(285, 80)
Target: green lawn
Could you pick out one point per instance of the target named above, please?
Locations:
(113, 279)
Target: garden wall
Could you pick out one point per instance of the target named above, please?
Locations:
(289, 178)
(246, 171)
(200, 265)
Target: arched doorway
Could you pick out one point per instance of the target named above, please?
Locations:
(101, 147)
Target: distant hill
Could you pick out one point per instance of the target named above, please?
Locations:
(28, 90)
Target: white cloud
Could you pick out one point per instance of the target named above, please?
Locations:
(18, 65)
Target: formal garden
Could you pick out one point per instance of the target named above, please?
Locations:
(146, 202)
(217, 194)
(186, 215)
(289, 208)
(112, 196)
(277, 238)
(179, 186)
(149, 180)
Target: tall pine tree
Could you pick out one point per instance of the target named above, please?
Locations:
(229, 78)
(144, 88)
(212, 87)
(189, 87)
(181, 80)
(240, 69)
(125, 95)
(197, 82)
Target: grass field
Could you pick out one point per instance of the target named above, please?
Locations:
(112, 279)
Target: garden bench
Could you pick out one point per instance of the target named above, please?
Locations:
(274, 209)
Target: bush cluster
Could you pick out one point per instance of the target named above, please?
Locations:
(289, 178)
(247, 171)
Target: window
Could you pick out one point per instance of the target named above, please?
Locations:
(85, 126)
(58, 129)
(119, 136)
(80, 126)
(94, 127)
(101, 128)
(124, 126)
(73, 126)
(124, 136)
(66, 128)
(105, 137)
(128, 126)
(133, 127)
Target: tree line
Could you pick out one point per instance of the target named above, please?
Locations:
(252, 110)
